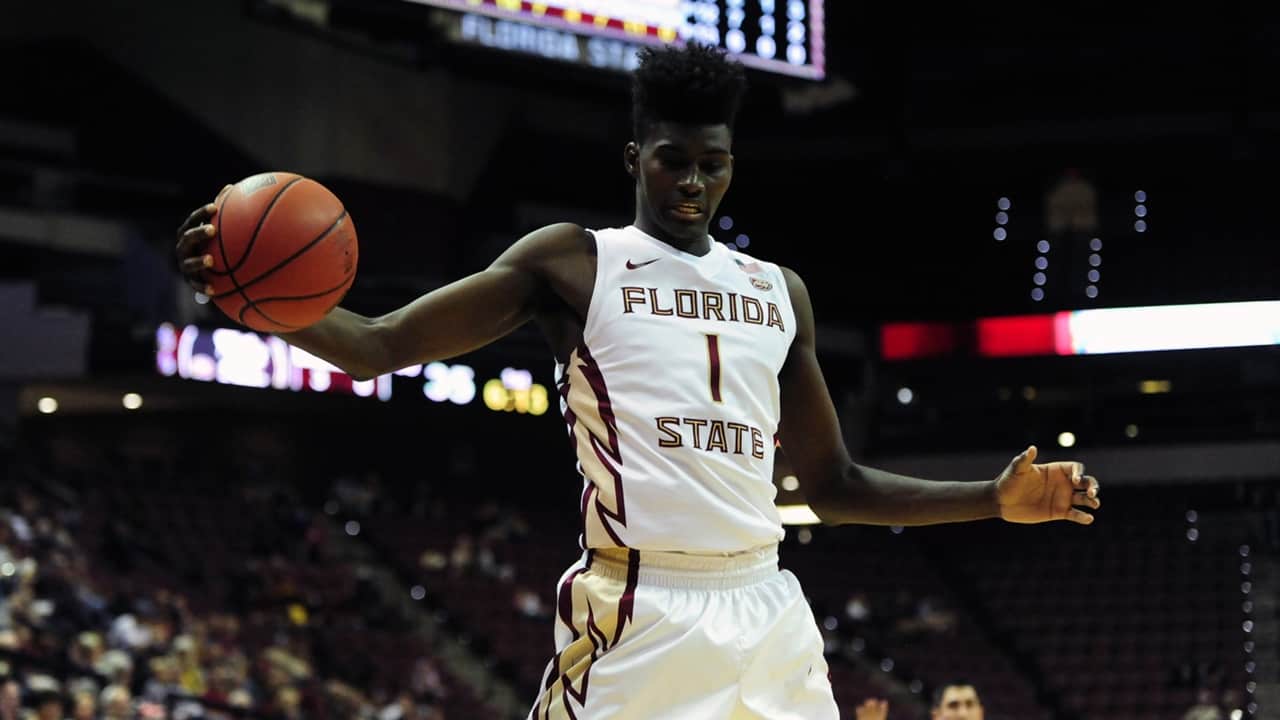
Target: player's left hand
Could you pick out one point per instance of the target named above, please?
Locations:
(1030, 493)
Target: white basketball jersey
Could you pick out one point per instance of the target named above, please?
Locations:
(672, 400)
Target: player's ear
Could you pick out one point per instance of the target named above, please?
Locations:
(631, 159)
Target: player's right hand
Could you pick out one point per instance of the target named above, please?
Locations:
(193, 240)
(873, 710)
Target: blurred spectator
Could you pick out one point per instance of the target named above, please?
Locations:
(116, 703)
(462, 555)
(957, 701)
(128, 634)
(10, 699)
(1231, 702)
(873, 709)
(164, 679)
(402, 708)
(425, 680)
(933, 615)
(87, 651)
(117, 667)
(1204, 709)
(84, 706)
(190, 674)
(45, 695)
(433, 560)
(288, 703)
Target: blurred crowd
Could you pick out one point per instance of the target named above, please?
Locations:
(80, 640)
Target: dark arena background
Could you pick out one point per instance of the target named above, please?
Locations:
(1056, 230)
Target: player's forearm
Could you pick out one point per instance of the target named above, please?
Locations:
(343, 338)
(875, 497)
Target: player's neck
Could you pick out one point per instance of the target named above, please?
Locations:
(696, 246)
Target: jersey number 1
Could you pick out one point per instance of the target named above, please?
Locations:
(713, 361)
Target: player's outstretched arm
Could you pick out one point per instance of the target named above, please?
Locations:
(841, 491)
(455, 319)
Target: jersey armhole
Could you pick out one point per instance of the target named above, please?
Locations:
(786, 294)
(589, 323)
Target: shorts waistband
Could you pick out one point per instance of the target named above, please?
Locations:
(687, 570)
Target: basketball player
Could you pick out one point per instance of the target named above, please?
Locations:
(678, 362)
(956, 701)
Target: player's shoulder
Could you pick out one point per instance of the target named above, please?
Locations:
(557, 240)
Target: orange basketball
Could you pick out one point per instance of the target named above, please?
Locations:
(285, 253)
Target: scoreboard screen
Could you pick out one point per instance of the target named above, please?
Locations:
(779, 36)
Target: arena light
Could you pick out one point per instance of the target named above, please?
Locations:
(797, 515)
(47, 405)
(1155, 387)
(1091, 332)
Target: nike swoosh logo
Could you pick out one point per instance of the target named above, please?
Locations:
(633, 266)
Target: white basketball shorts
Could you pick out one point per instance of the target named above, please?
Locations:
(657, 635)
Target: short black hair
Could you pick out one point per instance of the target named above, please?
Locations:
(694, 84)
(942, 689)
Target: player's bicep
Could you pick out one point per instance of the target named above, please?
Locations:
(472, 312)
(810, 428)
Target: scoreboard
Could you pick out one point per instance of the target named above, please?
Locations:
(778, 36)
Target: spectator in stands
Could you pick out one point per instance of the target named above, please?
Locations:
(190, 674)
(426, 682)
(10, 639)
(84, 706)
(1231, 701)
(46, 696)
(117, 667)
(87, 651)
(288, 703)
(164, 679)
(957, 701)
(873, 709)
(10, 699)
(117, 704)
(462, 555)
(934, 616)
(1204, 709)
(402, 708)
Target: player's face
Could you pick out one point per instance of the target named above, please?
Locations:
(959, 703)
(682, 172)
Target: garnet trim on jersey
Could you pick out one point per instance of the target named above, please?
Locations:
(607, 452)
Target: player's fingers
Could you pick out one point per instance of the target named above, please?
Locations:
(1077, 474)
(196, 265)
(1091, 487)
(197, 217)
(1079, 516)
(199, 285)
(190, 240)
(1084, 500)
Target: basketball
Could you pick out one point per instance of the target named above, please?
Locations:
(285, 253)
